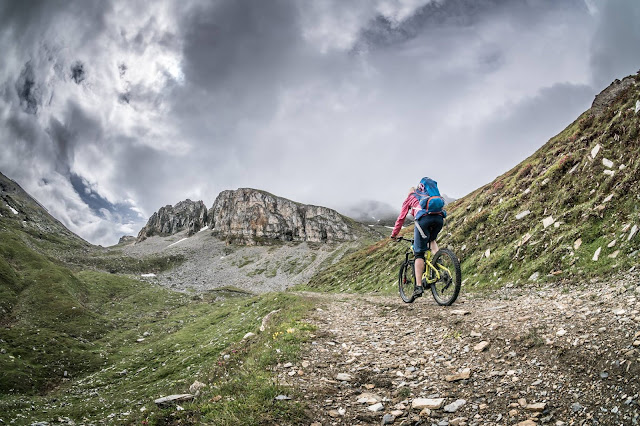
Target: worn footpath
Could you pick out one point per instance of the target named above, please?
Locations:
(553, 355)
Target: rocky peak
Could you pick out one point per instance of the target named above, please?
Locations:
(251, 216)
(127, 239)
(191, 215)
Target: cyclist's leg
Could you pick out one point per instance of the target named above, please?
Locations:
(435, 223)
(420, 246)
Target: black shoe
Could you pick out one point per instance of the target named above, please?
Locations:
(417, 291)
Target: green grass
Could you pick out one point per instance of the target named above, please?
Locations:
(184, 341)
(95, 346)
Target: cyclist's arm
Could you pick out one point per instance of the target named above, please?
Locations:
(403, 214)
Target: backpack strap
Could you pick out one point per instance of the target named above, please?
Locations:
(420, 230)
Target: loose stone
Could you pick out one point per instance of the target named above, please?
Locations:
(481, 346)
(376, 407)
(462, 375)
(344, 377)
(454, 406)
(431, 403)
(537, 407)
(388, 419)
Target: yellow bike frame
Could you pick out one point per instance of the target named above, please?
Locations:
(428, 256)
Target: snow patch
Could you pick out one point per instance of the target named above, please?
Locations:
(14, 211)
(595, 150)
(609, 172)
(607, 163)
(204, 228)
(522, 214)
(148, 275)
(547, 221)
(179, 241)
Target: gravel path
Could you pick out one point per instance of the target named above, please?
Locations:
(547, 356)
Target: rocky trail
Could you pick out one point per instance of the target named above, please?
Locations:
(552, 355)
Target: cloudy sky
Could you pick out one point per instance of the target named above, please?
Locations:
(111, 109)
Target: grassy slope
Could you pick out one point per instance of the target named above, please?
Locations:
(69, 336)
(559, 180)
(88, 324)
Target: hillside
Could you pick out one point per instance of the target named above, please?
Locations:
(568, 212)
(84, 341)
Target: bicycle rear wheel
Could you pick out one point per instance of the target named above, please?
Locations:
(406, 281)
(445, 291)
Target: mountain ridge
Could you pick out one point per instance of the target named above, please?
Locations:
(252, 216)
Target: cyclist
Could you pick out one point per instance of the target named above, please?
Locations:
(427, 227)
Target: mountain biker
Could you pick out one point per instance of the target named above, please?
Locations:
(430, 224)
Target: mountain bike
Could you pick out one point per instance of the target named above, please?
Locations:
(442, 273)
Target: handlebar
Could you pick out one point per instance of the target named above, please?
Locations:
(404, 239)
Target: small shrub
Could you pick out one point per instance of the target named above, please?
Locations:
(586, 122)
(566, 161)
(525, 171)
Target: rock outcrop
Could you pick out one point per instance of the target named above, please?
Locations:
(610, 94)
(191, 215)
(127, 239)
(251, 216)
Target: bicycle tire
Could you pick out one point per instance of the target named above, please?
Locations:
(406, 281)
(446, 290)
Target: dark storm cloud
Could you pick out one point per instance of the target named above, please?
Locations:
(239, 45)
(76, 127)
(461, 14)
(27, 21)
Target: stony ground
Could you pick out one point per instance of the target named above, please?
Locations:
(553, 355)
(211, 263)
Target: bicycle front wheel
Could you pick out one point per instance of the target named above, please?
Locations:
(406, 281)
(447, 288)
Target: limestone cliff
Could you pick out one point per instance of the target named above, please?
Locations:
(250, 216)
(191, 215)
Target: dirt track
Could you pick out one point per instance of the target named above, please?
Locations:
(552, 356)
